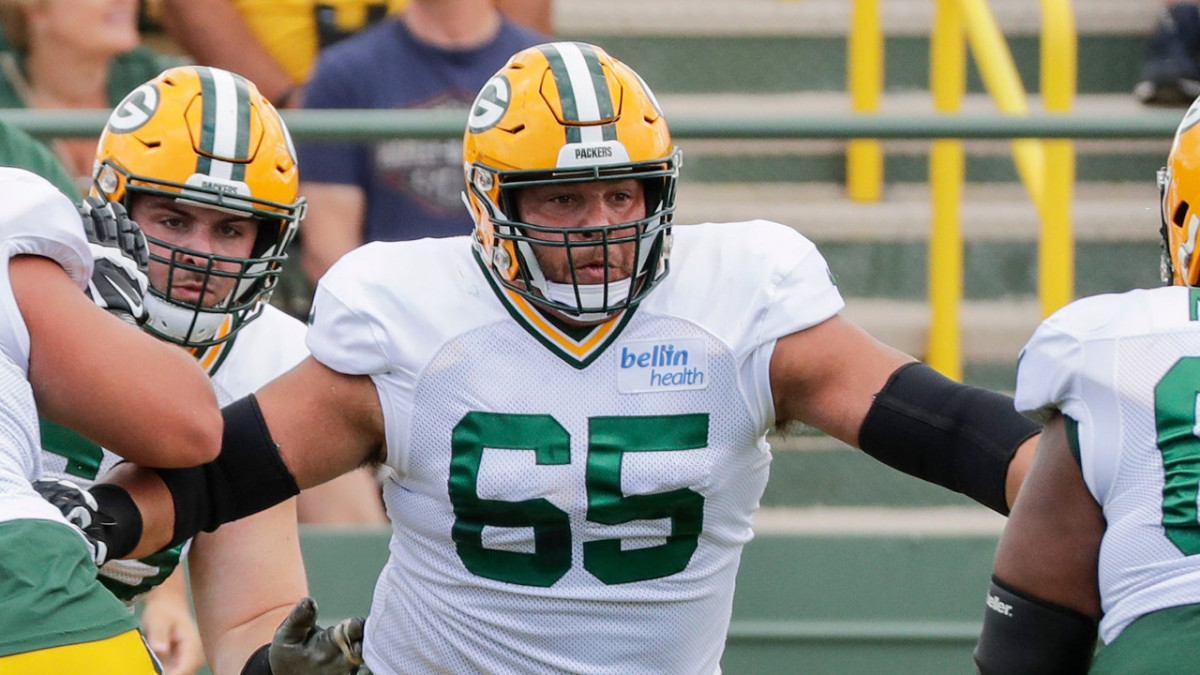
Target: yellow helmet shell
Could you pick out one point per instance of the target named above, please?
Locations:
(205, 131)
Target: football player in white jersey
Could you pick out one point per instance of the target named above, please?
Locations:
(577, 437)
(205, 165)
(1106, 533)
(72, 362)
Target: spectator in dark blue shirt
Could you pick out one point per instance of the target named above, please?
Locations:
(433, 54)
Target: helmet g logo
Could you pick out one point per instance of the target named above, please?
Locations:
(134, 110)
(490, 105)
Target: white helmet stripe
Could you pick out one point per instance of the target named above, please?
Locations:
(583, 88)
(225, 131)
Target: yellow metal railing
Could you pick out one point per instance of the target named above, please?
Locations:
(864, 156)
(1046, 168)
(1056, 250)
(948, 83)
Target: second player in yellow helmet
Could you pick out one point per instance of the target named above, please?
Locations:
(207, 137)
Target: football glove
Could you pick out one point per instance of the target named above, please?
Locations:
(301, 647)
(80, 509)
(119, 278)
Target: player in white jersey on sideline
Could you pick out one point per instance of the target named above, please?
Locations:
(1106, 530)
(578, 438)
(63, 357)
(205, 166)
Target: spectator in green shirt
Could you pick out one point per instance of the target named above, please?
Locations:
(19, 149)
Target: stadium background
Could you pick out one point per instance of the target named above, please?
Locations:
(858, 569)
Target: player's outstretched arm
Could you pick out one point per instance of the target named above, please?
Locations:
(303, 428)
(146, 400)
(1045, 600)
(839, 379)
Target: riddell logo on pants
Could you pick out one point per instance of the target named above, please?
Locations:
(662, 365)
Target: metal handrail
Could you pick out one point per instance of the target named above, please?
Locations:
(367, 125)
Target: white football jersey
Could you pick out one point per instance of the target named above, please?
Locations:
(264, 348)
(36, 219)
(567, 501)
(1126, 369)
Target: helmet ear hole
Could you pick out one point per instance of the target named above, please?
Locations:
(1180, 215)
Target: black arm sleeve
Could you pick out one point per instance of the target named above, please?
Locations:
(247, 477)
(1024, 635)
(947, 433)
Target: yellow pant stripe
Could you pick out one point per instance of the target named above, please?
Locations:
(124, 654)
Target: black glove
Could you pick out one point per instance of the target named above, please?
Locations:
(301, 647)
(122, 260)
(80, 509)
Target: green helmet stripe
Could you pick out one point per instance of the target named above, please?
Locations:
(225, 126)
(566, 93)
(603, 94)
(242, 126)
(604, 103)
(583, 90)
(208, 95)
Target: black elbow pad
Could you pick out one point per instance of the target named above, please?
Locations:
(1024, 635)
(947, 433)
(247, 477)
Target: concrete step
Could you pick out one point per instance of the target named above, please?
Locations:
(936, 521)
(891, 102)
(906, 161)
(992, 331)
(823, 213)
(823, 17)
(880, 250)
(728, 61)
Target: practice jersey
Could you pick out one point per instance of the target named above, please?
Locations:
(264, 348)
(567, 500)
(1125, 369)
(36, 219)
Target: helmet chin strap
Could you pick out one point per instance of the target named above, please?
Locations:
(591, 297)
(182, 324)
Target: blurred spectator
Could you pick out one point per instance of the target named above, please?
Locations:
(275, 42)
(434, 54)
(19, 149)
(83, 54)
(1170, 75)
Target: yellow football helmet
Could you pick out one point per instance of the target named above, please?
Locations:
(560, 113)
(1179, 185)
(206, 136)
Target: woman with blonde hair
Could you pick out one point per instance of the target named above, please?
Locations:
(75, 54)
